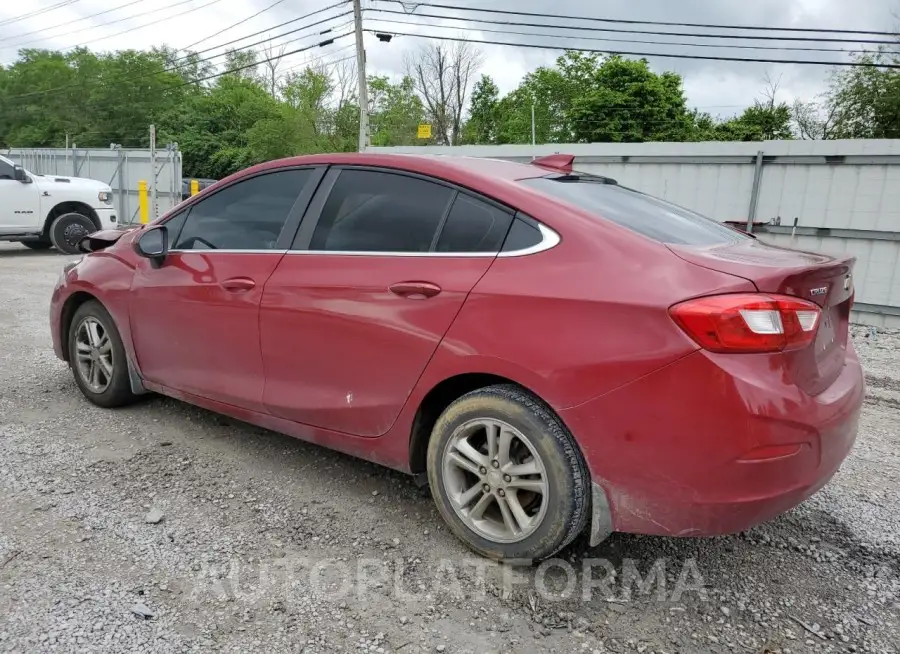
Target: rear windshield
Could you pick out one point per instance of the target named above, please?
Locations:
(644, 214)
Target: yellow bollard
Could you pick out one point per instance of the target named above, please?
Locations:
(195, 187)
(143, 204)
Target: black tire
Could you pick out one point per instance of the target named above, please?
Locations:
(38, 244)
(118, 391)
(567, 476)
(67, 229)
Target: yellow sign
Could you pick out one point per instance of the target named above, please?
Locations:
(424, 131)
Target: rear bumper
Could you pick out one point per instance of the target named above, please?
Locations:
(715, 444)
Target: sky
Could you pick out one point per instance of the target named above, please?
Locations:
(722, 88)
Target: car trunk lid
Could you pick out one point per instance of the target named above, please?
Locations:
(823, 279)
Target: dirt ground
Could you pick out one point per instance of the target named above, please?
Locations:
(165, 528)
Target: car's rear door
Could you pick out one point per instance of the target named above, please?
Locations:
(195, 317)
(380, 267)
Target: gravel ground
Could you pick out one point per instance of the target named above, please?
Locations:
(164, 528)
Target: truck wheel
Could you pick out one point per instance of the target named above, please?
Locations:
(68, 229)
(38, 244)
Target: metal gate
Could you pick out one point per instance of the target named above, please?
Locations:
(120, 168)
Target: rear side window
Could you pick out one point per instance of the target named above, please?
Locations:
(473, 226)
(644, 214)
(370, 211)
(521, 236)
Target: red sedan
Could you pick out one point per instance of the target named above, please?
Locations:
(552, 351)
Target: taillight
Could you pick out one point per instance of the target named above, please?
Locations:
(748, 322)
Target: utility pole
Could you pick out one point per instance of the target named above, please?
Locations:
(361, 72)
(153, 207)
(533, 132)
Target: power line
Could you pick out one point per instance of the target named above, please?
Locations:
(180, 66)
(140, 27)
(646, 54)
(310, 62)
(615, 40)
(222, 45)
(77, 20)
(120, 20)
(623, 21)
(740, 37)
(32, 14)
(278, 36)
(240, 68)
(240, 22)
(269, 40)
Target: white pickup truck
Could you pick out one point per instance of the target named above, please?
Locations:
(41, 211)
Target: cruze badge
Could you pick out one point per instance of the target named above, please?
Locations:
(822, 290)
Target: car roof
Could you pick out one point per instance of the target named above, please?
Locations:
(451, 167)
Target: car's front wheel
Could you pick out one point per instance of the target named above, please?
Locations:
(97, 357)
(68, 229)
(507, 476)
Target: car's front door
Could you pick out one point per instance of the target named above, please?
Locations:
(350, 318)
(19, 202)
(195, 317)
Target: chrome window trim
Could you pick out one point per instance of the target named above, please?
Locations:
(223, 251)
(550, 240)
(364, 253)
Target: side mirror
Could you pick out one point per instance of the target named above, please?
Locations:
(153, 244)
(20, 175)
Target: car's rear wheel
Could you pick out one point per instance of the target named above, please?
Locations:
(507, 476)
(97, 357)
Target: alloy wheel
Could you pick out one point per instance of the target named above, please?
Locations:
(94, 355)
(495, 480)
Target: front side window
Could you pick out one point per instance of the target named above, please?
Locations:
(370, 211)
(248, 215)
(6, 169)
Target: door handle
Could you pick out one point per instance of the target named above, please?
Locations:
(238, 284)
(415, 290)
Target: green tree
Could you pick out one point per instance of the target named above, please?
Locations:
(481, 127)
(190, 66)
(243, 64)
(212, 128)
(628, 102)
(95, 99)
(551, 92)
(865, 100)
(588, 98)
(760, 122)
(395, 111)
